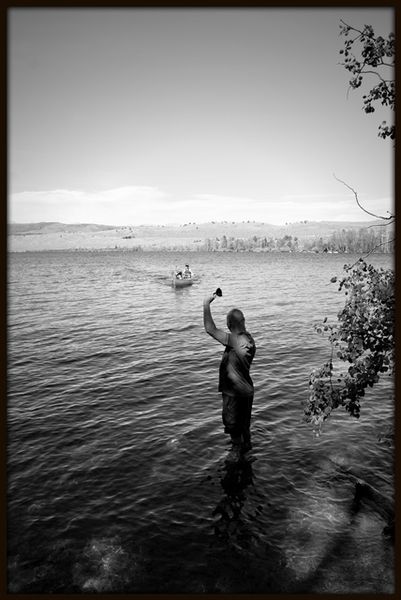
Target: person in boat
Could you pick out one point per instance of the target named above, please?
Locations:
(187, 272)
(235, 383)
(178, 274)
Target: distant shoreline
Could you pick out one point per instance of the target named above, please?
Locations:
(184, 251)
(305, 236)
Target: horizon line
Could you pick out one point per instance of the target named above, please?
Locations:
(179, 224)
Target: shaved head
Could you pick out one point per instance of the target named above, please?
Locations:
(235, 319)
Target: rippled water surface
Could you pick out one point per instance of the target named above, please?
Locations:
(117, 478)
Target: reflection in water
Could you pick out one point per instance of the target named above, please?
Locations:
(236, 478)
(242, 560)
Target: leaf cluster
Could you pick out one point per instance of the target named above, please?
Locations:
(362, 338)
(374, 53)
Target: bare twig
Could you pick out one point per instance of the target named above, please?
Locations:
(381, 224)
(353, 29)
(359, 204)
(374, 73)
(371, 252)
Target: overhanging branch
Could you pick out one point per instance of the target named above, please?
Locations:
(371, 252)
(360, 205)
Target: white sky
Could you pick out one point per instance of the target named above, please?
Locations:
(133, 116)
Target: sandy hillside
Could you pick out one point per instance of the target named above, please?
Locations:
(59, 236)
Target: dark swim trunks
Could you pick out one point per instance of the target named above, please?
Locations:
(237, 414)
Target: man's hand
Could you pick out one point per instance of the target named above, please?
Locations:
(210, 327)
(208, 299)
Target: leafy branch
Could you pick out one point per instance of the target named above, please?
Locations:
(363, 337)
(374, 54)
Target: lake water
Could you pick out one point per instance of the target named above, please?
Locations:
(117, 473)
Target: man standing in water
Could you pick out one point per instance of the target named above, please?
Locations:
(235, 383)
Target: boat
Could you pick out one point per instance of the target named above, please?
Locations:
(184, 282)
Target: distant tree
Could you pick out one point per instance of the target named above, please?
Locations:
(363, 241)
(208, 245)
(240, 244)
(368, 55)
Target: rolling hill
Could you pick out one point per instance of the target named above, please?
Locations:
(90, 236)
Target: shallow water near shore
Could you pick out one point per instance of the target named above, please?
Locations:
(117, 472)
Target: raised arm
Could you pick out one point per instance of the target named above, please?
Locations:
(210, 327)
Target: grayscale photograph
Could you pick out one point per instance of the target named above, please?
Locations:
(200, 300)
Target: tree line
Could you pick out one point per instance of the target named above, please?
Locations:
(344, 241)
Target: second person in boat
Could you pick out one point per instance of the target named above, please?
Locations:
(187, 274)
